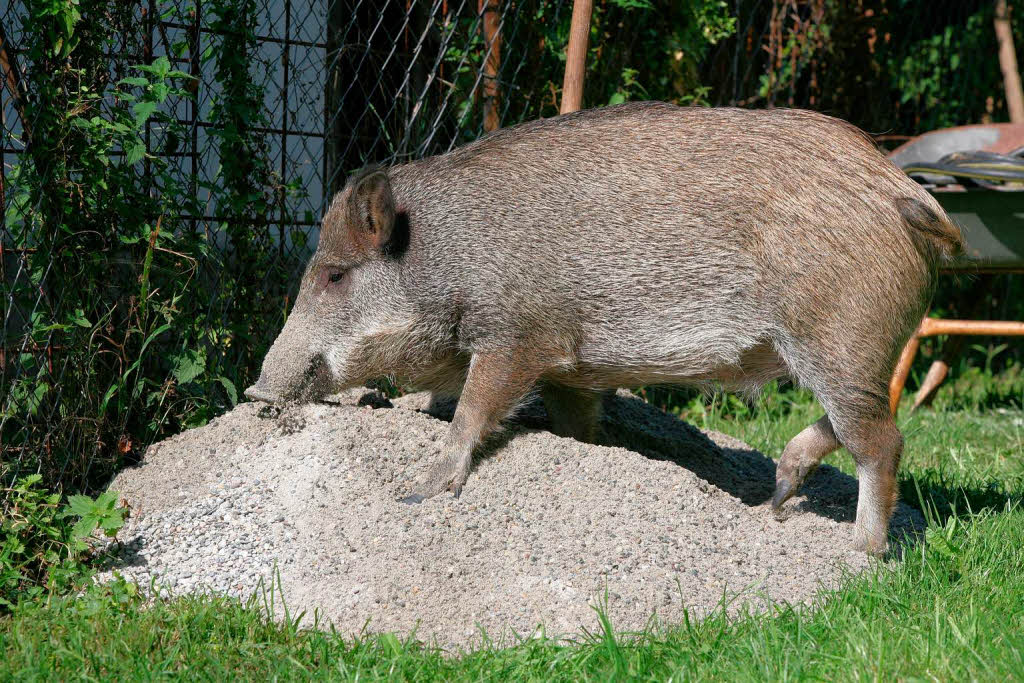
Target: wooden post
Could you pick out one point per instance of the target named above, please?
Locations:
(933, 326)
(576, 56)
(977, 292)
(491, 26)
(930, 384)
(899, 377)
(12, 75)
(1008, 62)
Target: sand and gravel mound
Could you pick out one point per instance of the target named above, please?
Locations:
(661, 518)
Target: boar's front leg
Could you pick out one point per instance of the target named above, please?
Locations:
(496, 383)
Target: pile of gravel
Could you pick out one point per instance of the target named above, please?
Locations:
(664, 517)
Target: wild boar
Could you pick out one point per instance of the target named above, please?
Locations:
(632, 245)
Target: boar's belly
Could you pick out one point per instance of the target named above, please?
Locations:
(733, 355)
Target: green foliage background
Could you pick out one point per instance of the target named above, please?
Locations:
(138, 307)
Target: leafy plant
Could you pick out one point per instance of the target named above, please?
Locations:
(42, 546)
(124, 335)
(95, 513)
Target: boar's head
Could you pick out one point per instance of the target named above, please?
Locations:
(348, 302)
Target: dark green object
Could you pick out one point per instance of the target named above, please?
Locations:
(982, 190)
(993, 225)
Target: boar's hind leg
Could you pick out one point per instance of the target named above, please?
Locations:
(573, 413)
(858, 414)
(876, 445)
(802, 456)
(850, 378)
(496, 383)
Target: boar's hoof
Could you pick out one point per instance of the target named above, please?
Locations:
(788, 481)
(875, 547)
(417, 498)
(783, 492)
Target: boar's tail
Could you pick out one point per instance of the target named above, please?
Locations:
(934, 234)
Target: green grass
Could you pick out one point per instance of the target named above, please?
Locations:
(952, 609)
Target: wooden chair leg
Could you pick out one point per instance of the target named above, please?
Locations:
(937, 374)
(899, 377)
(975, 299)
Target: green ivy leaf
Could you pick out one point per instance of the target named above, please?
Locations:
(80, 319)
(137, 81)
(81, 505)
(112, 523)
(143, 110)
(159, 68)
(135, 152)
(160, 91)
(188, 366)
(84, 527)
(33, 400)
(229, 387)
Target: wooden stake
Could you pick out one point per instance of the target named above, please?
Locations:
(492, 52)
(1008, 62)
(977, 292)
(899, 377)
(930, 384)
(933, 326)
(9, 67)
(576, 56)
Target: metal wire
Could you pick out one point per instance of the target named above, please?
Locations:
(345, 83)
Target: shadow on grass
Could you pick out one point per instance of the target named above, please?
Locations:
(944, 496)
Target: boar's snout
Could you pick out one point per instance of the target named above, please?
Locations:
(260, 392)
(299, 382)
(292, 373)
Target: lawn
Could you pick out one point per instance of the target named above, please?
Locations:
(952, 608)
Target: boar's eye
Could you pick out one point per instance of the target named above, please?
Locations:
(331, 276)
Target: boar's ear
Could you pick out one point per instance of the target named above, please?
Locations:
(371, 210)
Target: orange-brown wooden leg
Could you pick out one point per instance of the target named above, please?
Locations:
(899, 377)
(932, 381)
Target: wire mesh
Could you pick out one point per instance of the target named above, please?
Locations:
(409, 79)
(342, 84)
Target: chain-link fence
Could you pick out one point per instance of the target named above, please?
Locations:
(410, 78)
(226, 151)
(166, 162)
